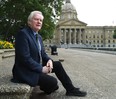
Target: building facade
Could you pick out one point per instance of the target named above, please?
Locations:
(71, 32)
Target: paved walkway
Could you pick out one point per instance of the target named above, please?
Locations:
(91, 71)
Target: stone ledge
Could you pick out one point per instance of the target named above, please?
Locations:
(14, 88)
(8, 55)
(1, 51)
(7, 50)
(10, 90)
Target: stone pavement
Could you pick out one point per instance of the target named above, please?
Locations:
(91, 71)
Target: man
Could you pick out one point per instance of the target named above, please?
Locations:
(28, 67)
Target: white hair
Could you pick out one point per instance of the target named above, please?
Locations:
(32, 14)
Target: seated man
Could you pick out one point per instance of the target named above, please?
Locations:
(32, 65)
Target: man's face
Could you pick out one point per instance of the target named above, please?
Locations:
(36, 22)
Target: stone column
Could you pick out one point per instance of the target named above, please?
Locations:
(64, 36)
(69, 36)
(79, 36)
(58, 36)
(84, 37)
(74, 36)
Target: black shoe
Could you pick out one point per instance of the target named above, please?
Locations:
(76, 92)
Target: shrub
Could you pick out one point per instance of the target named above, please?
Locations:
(6, 45)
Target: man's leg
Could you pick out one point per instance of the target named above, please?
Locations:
(62, 75)
(47, 83)
(66, 81)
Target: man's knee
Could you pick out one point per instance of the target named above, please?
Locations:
(57, 63)
(54, 82)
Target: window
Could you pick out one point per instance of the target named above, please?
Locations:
(86, 36)
(101, 45)
(93, 45)
(101, 36)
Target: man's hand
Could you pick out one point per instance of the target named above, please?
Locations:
(50, 65)
(45, 70)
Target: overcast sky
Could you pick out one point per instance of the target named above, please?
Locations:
(96, 12)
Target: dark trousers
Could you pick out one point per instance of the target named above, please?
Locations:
(49, 83)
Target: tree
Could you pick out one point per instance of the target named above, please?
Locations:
(14, 13)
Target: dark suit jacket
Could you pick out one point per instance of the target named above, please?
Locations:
(27, 65)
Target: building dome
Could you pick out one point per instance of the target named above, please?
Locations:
(68, 7)
(68, 11)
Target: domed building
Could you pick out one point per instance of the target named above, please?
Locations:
(71, 32)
